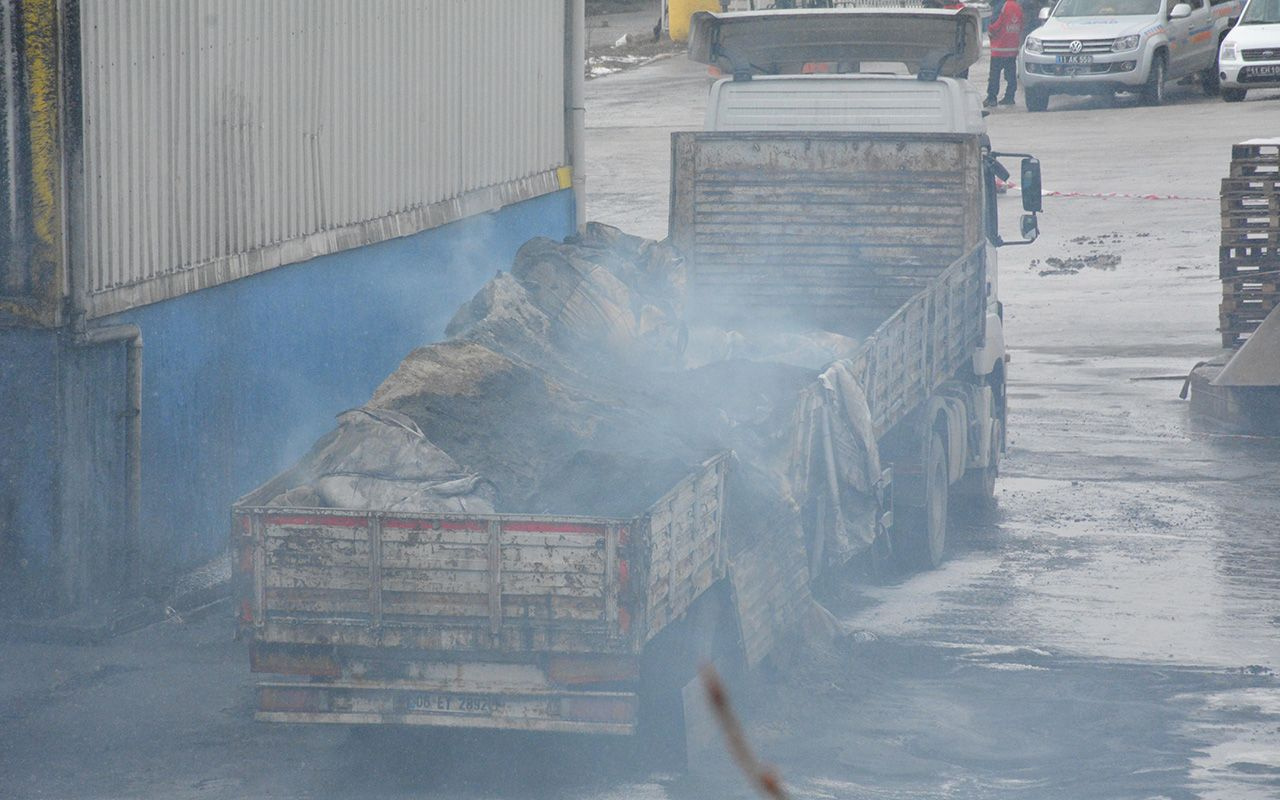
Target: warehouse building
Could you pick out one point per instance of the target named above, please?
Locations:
(222, 223)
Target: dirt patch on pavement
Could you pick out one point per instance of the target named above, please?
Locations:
(1095, 258)
(1073, 265)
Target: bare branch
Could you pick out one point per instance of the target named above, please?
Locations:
(763, 778)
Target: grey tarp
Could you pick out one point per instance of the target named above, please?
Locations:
(379, 459)
(574, 384)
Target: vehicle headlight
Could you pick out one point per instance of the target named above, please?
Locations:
(1125, 43)
(1229, 52)
(1033, 45)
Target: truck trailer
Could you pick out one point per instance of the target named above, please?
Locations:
(844, 183)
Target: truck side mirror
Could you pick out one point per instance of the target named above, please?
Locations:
(1031, 192)
(1029, 172)
(1180, 11)
(1043, 14)
(1030, 228)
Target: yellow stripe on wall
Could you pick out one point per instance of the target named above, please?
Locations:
(39, 32)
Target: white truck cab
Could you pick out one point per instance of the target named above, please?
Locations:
(858, 70)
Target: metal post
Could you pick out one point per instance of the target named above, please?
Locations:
(375, 571)
(495, 577)
(132, 335)
(575, 48)
(610, 577)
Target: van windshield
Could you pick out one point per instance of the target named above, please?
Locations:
(1107, 8)
(1261, 12)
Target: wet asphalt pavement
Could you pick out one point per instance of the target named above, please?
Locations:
(1110, 631)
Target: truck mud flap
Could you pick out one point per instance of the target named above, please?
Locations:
(770, 585)
(353, 704)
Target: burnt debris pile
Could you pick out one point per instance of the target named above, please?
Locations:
(580, 383)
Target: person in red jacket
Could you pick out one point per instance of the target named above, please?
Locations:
(1006, 36)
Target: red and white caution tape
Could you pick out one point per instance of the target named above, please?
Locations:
(1013, 188)
(1125, 196)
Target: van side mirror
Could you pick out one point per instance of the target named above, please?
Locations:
(1043, 14)
(1031, 192)
(1180, 11)
(1232, 22)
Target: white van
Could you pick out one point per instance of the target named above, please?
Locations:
(1250, 55)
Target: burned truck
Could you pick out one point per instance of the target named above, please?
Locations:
(630, 456)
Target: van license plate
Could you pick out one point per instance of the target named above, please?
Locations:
(1075, 59)
(1265, 71)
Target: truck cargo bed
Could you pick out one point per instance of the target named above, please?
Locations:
(501, 620)
(506, 582)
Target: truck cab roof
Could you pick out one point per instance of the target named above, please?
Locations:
(868, 70)
(929, 42)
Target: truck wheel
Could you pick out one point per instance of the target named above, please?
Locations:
(1036, 99)
(1153, 91)
(923, 529)
(1234, 95)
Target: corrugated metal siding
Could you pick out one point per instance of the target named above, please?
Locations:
(225, 137)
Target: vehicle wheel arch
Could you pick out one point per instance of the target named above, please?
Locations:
(996, 379)
(1158, 48)
(1154, 92)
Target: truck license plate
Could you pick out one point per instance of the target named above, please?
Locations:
(1075, 59)
(464, 704)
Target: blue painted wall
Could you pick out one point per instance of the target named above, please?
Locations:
(239, 380)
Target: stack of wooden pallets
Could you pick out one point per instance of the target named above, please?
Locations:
(1249, 261)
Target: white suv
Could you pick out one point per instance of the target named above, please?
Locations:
(1250, 56)
(1108, 46)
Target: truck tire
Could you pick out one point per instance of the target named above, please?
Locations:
(1234, 95)
(1153, 90)
(1036, 99)
(922, 529)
